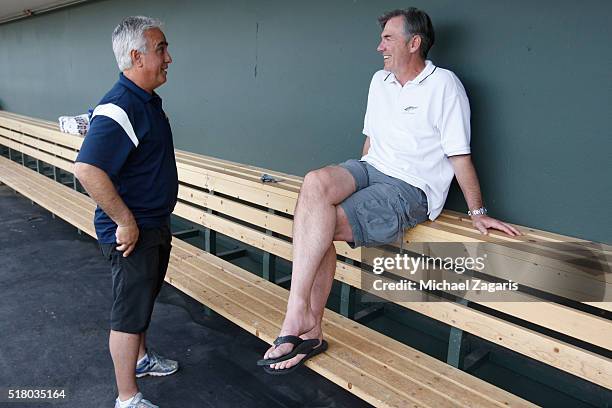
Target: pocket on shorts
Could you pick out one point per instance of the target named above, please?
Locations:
(381, 221)
(107, 250)
(414, 207)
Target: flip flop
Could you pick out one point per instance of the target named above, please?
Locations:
(300, 346)
(313, 352)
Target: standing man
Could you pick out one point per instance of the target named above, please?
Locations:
(127, 166)
(417, 128)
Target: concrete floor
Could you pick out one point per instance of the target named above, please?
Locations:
(55, 293)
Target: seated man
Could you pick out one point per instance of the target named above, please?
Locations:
(417, 128)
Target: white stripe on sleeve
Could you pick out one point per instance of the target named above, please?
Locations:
(117, 114)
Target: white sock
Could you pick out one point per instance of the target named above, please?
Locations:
(125, 404)
(143, 359)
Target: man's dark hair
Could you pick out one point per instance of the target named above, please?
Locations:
(416, 22)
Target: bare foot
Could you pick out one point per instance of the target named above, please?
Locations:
(302, 326)
(315, 333)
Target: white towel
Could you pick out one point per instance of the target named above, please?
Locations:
(76, 125)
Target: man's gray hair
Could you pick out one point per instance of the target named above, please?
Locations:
(416, 22)
(129, 35)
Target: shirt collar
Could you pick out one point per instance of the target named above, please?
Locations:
(427, 71)
(141, 93)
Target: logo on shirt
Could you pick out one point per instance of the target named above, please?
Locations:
(410, 109)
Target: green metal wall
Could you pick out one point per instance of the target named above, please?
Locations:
(283, 84)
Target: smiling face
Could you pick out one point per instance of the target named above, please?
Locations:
(150, 69)
(157, 58)
(397, 48)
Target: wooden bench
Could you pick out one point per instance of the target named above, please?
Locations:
(228, 198)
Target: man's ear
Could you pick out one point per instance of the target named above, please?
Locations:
(415, 43)
(136, 57)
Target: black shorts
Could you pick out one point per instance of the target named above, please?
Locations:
(138, 279)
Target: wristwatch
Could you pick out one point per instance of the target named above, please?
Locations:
(478, 211)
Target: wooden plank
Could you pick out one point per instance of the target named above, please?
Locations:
(524, 341)
(242, 233)
(467, 227)
(264, 219)
(34, 193)
(562, 289)
(54, 161)
(266, 321)
(277, 297)
(574, 323)
(537, 235)
(435, 231)
(535, 271)
(225, 164)
(556, 249)
(586, 263)
(209, 180)
(264, 199)
(59, 195)
(563, 319)
(366, 349)
(323, 364)
(237, 170)
(419, 391)
(275, 189)
(521, 315)
(50, 148)
(28, 192)
(260, 218)
(250, 169)
(57, 192)
(55, 136)
(36, 121)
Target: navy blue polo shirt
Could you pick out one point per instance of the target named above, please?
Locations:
(130, 139)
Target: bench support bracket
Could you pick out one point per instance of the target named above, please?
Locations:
(370, 313)
(475, 358)
(210, 236)
(347, 300)
(269, 260)
(232, 254)
(347, 297)
(184, 234)
(455, 343)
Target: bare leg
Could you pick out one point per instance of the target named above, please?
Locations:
(124, 352)
(322, 284)
(315, 226)
(143, 345)
(318, 298)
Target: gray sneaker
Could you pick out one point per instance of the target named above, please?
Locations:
(156, 366)
(138, 402)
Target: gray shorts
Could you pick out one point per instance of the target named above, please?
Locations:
(382, 207)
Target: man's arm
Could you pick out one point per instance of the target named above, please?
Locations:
(101, 189)
(468, 181)
(366, 146)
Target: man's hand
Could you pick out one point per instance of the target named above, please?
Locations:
(482, 223)
(468, 181)
(101, 189)
(127, 237)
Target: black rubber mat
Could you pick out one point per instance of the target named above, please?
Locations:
(54, 309)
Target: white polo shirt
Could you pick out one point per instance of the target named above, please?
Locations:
(415, 128)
